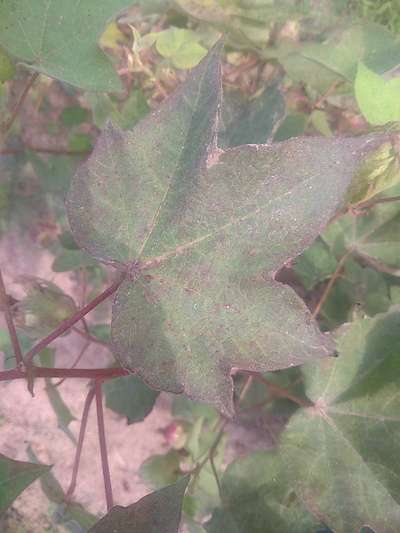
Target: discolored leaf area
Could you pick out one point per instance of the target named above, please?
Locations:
(158, 512)
(59, 39)
(342, 453)
(258, 498)
(15, 476)
(201, 233)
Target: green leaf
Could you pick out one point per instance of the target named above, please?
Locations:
(342, 453)
(204, 231)
(257, 499)
(64, 415)
(74, 116)
(158, 512)
(59, 39)
(125, 116)
(15, 476)
(250, 121)
(366, 42)
(130, 397)
(316, 264)
(7, 67)
(43, 308)
(180, 46)
(80, 142)
(378, 99)
(161, 470)
(72, 260)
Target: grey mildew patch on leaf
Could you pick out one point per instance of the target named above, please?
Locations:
(206, 231)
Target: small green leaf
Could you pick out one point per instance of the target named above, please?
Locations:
(378, 99)
(69, 260)
(15, 476)
(59, 39)
(43, 308)
(316, 264)
(124, 115)
(161, 470)
(130, 397)
(180, 46)
(80, 142)
(158, 512)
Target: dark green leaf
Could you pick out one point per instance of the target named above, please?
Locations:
(72, 260)
(316, 264)
(15, 476)
(73, 116)
(59, 39)
(130, 397)
(158, 512)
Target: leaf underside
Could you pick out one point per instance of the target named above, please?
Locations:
(59, 39)
(201, 233)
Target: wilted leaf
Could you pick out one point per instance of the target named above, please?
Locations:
(59, 39)
(64, 415)
(196, 228)
(158, 512)
(130, 397)
(15, 476)
(342, 454)
(257, 498)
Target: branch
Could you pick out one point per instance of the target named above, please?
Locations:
(7, 125)
(78, 373)
(5, 307)
(82, 431)
(103, 446)
(67, 324)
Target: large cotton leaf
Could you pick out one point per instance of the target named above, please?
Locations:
(201, 233)
(59, 39)
(342, 454)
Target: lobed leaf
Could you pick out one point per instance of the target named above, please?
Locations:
(201, 233)
(59, 39)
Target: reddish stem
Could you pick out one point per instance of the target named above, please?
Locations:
(74, 364)
(103, 446)
(10, 322)
(82, 373)
(78, 453)
(67, 324)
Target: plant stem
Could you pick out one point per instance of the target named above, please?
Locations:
(282, 392)
(78, 373)
(7, 125)
(330, 284)
(4, 305)
(82, 431)
(91, 338)
(80, 355)
(103, 446)
(67, 324)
